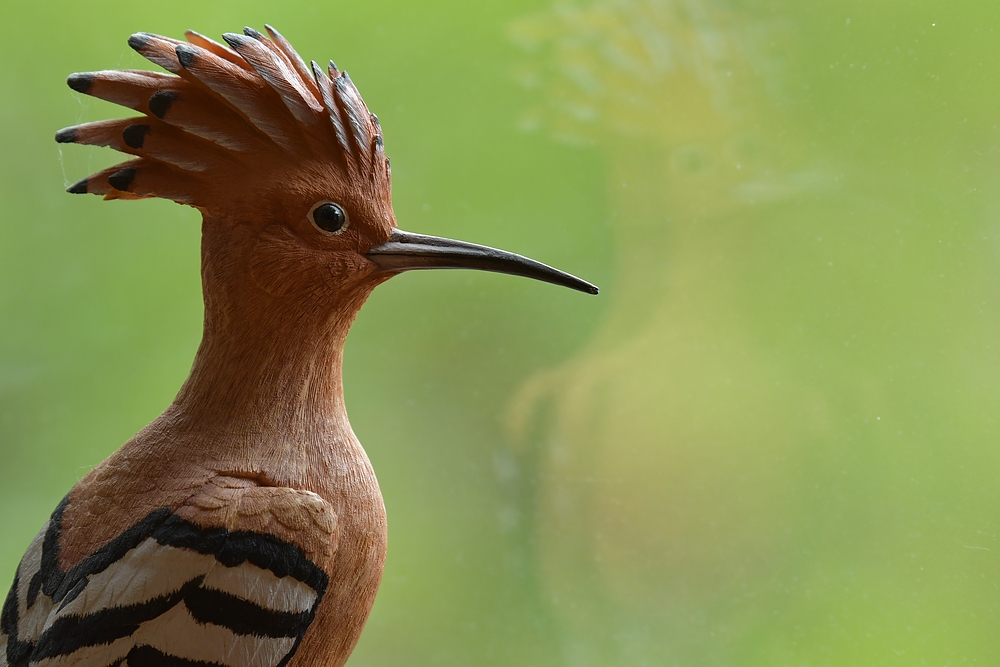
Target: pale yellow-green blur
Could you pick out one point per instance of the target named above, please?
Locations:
(704, 495)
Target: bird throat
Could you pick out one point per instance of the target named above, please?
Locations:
(267, 363)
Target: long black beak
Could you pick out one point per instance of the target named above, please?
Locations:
(405, 251)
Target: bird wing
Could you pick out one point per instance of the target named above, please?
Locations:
(231, 578)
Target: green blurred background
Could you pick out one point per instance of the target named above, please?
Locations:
(771, 440)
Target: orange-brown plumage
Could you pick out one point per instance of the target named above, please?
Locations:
(232, 120)
(244, 526)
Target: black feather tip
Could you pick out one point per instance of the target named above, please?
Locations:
(67, 135)
(187, 54)
(235, 40)
(138, 41)
(78, 188)
(80, 81)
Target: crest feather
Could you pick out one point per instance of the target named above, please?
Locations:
(220, 50)
(157, 49)
(333, 114)
(278, 73)
(354, 112)
(292, 55)
(246, 111)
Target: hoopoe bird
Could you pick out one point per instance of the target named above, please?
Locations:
(244, 527)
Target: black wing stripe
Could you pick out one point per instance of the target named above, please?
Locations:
(233, 548)
(50, 557)
(103, 558)
(176, 633)
(18, 617)
(245, 618)
(147, 656)
(17, 651)
(71, 633)
(65, 586)
(250, 601)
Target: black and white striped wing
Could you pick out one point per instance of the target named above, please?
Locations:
(164, 592)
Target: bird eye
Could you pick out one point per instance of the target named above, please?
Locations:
(329, 217)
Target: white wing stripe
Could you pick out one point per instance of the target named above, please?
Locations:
(262, 587)
(30, 564)
(177, 633)
(164, 590)
(131, 580)
(101, 655)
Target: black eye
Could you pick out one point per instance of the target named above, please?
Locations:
(329, 217)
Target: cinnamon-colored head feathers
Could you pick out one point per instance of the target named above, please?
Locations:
(231, 124)
(285, 153)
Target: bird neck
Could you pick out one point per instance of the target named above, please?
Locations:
(267, 365)
(250, 380)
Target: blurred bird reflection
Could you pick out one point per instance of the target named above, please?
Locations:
(685, 514)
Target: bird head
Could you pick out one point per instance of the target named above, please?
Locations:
(283, 159)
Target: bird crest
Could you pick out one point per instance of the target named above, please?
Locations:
(231, 121)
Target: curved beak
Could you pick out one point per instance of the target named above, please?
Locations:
(405, 251)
